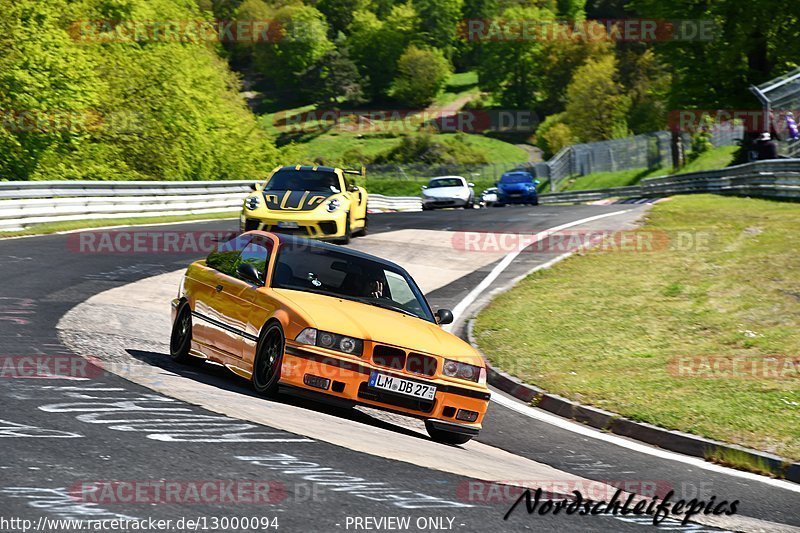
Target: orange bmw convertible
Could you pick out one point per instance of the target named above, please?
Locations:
(336, 325)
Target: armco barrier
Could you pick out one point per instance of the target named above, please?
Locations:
(775, 179)
(23, 204)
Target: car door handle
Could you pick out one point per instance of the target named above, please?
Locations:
(219, 288)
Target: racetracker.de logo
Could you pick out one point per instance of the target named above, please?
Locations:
(146, 241)
(735, 367)
(732, 120)
(602, 30)
(559, 242)
(48, 367)
(179, 492)
(178, 31)
(406, 120)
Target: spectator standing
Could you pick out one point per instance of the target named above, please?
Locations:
(766, 147)
(791, 127)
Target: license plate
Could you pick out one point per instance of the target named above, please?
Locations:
(288, 225)
(402, 386)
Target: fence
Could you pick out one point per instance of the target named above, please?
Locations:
(23, 204)
(648, 150)
(775, 179)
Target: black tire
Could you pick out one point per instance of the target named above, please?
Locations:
(269, 358)
(363, 231)
(446, 437)
(470, 203)
(181, 338)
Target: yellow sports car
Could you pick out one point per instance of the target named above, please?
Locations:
(308, 201)
(333, 324)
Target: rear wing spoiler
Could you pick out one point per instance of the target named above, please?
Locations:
(362, 172)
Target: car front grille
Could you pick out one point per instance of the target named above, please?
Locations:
(389, 357)
(421, 364)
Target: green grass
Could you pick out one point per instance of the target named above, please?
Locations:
(604, 180)
(54, 227)
(713, 159)
(602, 327)
(332, 145)
(459, 84)
(741, 460)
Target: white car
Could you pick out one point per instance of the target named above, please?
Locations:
(448, 191)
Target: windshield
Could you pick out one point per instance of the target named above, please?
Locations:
(516, 178)
(314, 269)
(303, 180)
(445, 182)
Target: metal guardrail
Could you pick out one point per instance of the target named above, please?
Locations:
(775, 179)
(23, 204)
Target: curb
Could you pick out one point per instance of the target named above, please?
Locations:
(667, 439)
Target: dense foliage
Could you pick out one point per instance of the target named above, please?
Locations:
(78, 101)
(82, 100)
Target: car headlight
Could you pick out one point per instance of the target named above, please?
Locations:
(333, 205)
(456, 369)
(331, 341)
(252, 203)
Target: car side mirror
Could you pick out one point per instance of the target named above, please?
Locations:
(253, 187)
(444, 316)
(354, 188)
(536, 182)
(470, 184)
(249, 272)
(424, 187)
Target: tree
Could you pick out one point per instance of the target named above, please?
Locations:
(596, 107)
(421, 74)
(376, 45)
(339, 13)
(723, 47)
(300, 42)
(510, 63)
(334, 79)
(150, 109)
(439, 21)
(559, 58)
(553, 134)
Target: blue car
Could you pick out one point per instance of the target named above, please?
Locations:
(517, 187)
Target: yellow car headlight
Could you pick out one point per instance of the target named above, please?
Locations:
(252, 203)
(331, 341)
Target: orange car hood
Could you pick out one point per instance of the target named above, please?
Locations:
(368, 322)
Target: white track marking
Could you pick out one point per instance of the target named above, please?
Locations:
(562, 423)
(462, 306)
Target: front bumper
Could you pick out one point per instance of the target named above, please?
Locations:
(313, 225)
(432, 203)
(516, 198)
(349, 379)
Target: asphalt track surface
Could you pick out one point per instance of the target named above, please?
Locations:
(59, 433)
